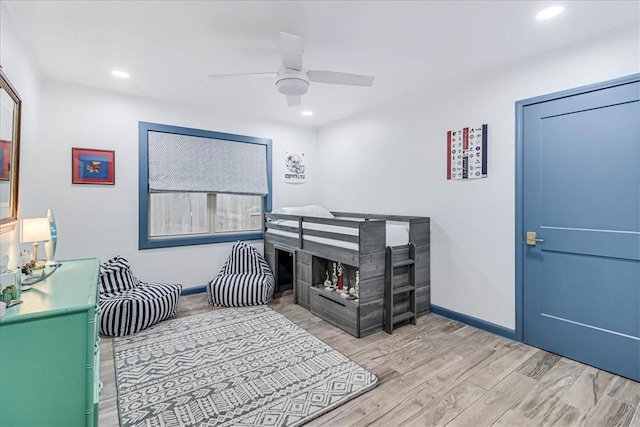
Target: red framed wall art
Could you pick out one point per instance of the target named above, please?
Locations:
(91, 166)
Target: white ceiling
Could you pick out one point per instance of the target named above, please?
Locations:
(169, 47)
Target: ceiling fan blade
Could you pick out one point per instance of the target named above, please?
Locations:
(291, 49)
(335, 78)
(293, 100)
(224, 76)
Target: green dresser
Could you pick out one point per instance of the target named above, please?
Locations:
(50, 353)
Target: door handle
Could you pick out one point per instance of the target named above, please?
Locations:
(532, 238)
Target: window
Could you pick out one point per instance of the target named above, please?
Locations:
(200, 186)
(173, 214)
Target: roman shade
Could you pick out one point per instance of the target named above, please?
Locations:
(183, 163)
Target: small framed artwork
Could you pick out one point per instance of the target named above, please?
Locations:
(5, 160)
(93, 166)
(467, 153)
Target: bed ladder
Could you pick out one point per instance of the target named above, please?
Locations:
(391, 290)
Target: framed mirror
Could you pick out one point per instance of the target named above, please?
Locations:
(10, 107)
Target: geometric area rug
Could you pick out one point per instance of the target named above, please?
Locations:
(246, 366)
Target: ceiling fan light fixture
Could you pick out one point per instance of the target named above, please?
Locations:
(292, 86)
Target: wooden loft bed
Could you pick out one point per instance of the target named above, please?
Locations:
(394, 273)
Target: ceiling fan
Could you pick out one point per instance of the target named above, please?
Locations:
(293, 80)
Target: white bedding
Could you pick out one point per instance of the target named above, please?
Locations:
(397, 234)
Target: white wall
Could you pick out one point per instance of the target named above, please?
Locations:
(393, 160)
(102, 221)
(20, 70)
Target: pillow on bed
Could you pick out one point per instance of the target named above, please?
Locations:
(397, 235)
(309, 210)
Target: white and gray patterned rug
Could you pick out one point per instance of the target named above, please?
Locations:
(244, 366)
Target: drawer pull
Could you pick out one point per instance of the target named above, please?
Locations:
(332, 300)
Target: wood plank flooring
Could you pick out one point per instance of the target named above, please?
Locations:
(442, 372)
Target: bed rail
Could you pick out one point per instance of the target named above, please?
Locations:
(313, 219)
(370, 237)
(367, 217)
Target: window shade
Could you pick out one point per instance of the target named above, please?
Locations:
(182, 163)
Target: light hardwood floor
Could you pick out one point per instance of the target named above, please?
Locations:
(442, 372)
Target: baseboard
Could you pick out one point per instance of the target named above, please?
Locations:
(194, 290)
(475, 322)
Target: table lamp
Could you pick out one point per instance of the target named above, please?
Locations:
(35, 230)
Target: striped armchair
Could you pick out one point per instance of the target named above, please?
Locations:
(128, 305)
(245, 279)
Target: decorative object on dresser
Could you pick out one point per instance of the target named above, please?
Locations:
(245, 279)
(31, 278)
(128, 305)
(322, 240)
(50, 245)
(50, 354)
(10, 285)
(90, 166)
(235, 366)
(35, 230)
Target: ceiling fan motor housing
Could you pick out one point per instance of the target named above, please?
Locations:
(292, 83)
(293, 79)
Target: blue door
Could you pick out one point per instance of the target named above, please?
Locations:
(581, 201)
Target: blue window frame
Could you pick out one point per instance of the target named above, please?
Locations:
(145, 241)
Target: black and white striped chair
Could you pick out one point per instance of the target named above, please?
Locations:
(245, 279)
(128, 305)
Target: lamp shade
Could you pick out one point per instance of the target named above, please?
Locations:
(34, 230)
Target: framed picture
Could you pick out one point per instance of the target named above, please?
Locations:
(5, 160)
(467, 153)
(93, 166)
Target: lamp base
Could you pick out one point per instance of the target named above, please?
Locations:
(47, 264)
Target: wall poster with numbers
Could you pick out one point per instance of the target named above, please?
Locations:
(467, 153)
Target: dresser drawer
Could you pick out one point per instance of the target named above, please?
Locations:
(335, 310)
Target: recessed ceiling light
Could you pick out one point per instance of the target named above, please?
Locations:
(121, 74)
(549, 12)
(307, 113)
